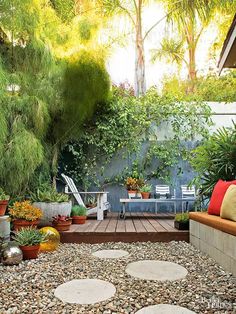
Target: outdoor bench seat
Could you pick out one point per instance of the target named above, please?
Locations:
(216, 237)
(215, 222)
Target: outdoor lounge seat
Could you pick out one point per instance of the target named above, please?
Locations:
(216, 237)
(102, 203)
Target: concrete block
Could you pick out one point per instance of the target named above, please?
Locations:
(194, 228)
(229, 245)
(194, 241)
(233, 266)
(218, 239)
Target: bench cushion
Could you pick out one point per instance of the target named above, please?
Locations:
(228, 207)
(218, 196)
(216, 222)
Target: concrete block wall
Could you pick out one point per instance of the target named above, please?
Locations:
(219, 245)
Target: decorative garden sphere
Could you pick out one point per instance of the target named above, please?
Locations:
(53, 239)
(11, 255)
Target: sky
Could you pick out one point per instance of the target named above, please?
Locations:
(120, 64)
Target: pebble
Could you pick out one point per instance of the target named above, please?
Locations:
(29, 287)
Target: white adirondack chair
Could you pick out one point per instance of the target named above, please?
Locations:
(187, 192)
(102, 203)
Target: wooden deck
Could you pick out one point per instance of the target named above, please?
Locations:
(137, 227)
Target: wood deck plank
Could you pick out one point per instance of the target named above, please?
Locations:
(136, 227)
(120, 227)
(165, 224)
(137, 222)
(129, 224)
(147, 225)
(111, 227)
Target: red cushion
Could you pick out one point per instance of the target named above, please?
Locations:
(217, 196)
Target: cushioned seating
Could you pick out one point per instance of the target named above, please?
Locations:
(216, 222)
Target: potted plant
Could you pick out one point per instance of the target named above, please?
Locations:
(90, 201)
(4, 198)
(146, 191)
(51, 203)
(29, 240)
(182, 221)
(79, 214)
(131, 186)
(61, 222)
(24, 214)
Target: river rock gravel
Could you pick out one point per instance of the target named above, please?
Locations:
(29, 287)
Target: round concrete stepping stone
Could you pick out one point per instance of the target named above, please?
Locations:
(85, 291)
(110, 253)
(156, 270)
(164, 309)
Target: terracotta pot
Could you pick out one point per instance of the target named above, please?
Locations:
(62, 225)
(30, 252)
(3, 207)
(19, 224)
(132, 193)
(79, 220)
(145, 195)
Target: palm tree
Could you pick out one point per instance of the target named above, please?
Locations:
(190, 18)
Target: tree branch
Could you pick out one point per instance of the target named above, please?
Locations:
(128, 13)
(163, 18)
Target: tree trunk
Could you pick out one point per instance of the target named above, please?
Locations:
(192, 63)
(54, 165)
(140, 79)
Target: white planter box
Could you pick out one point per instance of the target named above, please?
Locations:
(52, 209)
(5, 227)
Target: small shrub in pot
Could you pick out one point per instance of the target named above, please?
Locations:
(29, 240)
(61, 222)
(79, 214)
(182, 221)
(146, 191)
(51, 203)
(4, 198)
(24, 214)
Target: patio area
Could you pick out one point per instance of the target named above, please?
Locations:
(138, 226)
(204, 288)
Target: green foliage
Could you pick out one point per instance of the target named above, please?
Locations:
(146, 188)
(46, 193)
(85, 84)
(210, 88)
(123, 126)
(183, 217)
(215, 159)
(78, 211)
(29, 236)
(3, 195)
(64, 9)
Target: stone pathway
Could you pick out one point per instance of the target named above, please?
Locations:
(30, 287)
(85, 291)
(164, 309)
(156, 270)
(110, 253)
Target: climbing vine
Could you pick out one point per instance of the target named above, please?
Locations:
(149, 133)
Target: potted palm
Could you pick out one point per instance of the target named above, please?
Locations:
(146, 191)
(4, 198)
(182, 221)
(24, 214)
(29, 240)
(51, 203)
(61, 222)
(79, 214)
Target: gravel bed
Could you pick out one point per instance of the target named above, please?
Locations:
(29, 287)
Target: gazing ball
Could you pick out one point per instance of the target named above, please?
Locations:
(52, 237)
(11, 255)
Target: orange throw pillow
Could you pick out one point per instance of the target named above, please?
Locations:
(218, 196)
